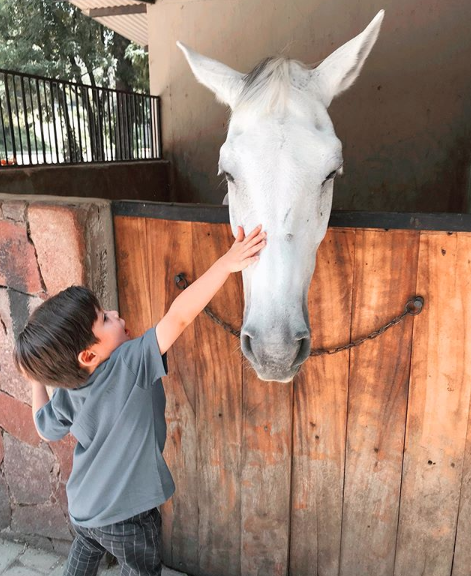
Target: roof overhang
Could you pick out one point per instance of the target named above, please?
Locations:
(126, 17)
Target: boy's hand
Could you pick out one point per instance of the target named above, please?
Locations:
(245, 250)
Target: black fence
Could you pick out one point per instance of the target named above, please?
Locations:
(47, 121)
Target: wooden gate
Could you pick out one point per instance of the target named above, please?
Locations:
(362, 465)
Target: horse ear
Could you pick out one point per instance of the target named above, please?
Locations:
(339, 70)
(225, 82)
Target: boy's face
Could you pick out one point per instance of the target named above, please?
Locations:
(111, 332)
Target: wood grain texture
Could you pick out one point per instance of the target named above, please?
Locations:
(132, 273)
(218, 411)
(385, 278)
(320, 414)
(266, 476)
(169, 252)
(438, 411)
(261, 467)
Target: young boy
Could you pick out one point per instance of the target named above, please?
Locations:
(109, 396)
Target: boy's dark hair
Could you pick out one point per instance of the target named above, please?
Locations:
(57, 331)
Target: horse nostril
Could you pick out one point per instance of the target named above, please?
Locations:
(246, 345)
(246, 341)
(302, 335)
(304, 349)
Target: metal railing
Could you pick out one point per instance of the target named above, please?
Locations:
(49, 121)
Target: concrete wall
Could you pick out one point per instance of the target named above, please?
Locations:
(46, 244)
(405, 125)
(115, 181)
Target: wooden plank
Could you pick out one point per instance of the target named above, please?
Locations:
(132, 273)
(338, 218)
(169, 252)
(266, 471)
(218, 366)
(438, 411)
(462, 556)
(320, 414)
(385, 277)
(265, 475)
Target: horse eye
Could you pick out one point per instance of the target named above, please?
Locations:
(229, 177)
(331, 175)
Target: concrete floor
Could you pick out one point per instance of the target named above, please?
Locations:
(23, 560)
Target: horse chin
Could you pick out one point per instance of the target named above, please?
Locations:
(275, 374)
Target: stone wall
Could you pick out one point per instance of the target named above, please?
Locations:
(46, 244)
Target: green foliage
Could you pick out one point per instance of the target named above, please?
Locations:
(140, 63)
(55, 39)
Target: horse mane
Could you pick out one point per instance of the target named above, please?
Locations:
(268, 85)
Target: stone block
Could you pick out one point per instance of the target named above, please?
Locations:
(61, 547)
(64, 452)
(5, 510)
(71, 230)
(2, 450)
(39, 560)
(15, 308)
(59, 570)
(27, 471)
(9, 552)
(44, 520)
(18, 266)
(17, 419)
(40, 542)
(58, 237)
(19, 570)
(14, 210)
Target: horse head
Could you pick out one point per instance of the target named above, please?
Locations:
(280, 159)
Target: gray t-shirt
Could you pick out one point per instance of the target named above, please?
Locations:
(118, 419)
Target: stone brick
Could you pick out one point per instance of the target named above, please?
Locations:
(39, 560)
(14, 210)
(18, 265)
(27, 471)
(2, 450)
(14, 311)
(61, 547)
(64, 451)
(18, 570)
(34, 540)
(44, 520)
(5, 510)
(59, 571)
(16, 418)
(59, 241)
(9, 551)
(60, 496)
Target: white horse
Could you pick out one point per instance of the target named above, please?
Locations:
(280, 159)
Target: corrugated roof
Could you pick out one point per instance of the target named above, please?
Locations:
(131, 26)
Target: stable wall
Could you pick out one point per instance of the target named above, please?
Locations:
(405, 124)
(146, 180)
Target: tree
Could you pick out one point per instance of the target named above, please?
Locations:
(54, 39)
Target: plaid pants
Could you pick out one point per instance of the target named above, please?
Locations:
(135, 543)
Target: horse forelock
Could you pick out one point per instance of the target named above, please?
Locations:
(268, 85)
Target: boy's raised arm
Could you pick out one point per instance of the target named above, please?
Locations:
(191, 302)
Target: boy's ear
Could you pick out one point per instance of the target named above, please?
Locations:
(87, 358)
